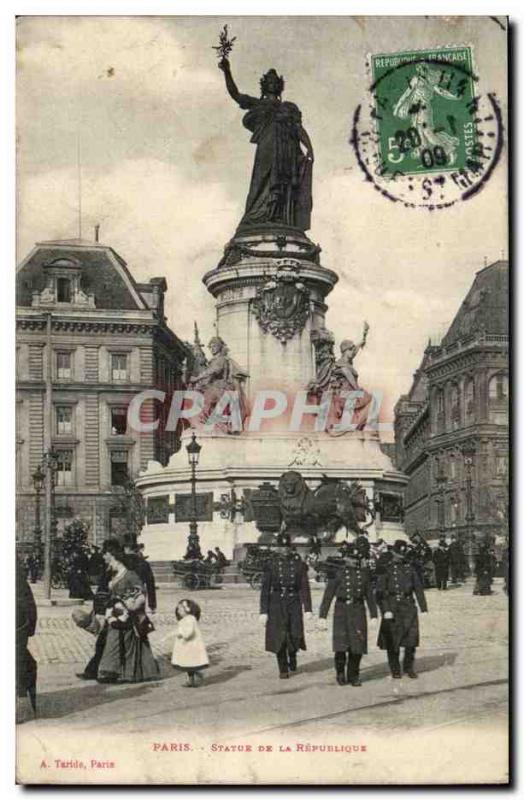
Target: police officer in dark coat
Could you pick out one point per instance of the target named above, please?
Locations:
(285, 593)
(351, 587)
(399, 625)
(441, 561)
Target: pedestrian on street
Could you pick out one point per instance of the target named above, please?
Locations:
(26, 666)
(420, 554)
(220, 557)
(33, 566)
(285, 594)
(100, 601)
(484, 569)
(351, 587)
(456, 559)
(138, 564)
(441, 561)
(189, 651)
(96, 566)
(78, 579)
(127, 655)
(397, 588)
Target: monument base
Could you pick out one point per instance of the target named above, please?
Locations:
(231, 467)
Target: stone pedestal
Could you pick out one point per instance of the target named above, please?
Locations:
(270, 291)
(251, 262)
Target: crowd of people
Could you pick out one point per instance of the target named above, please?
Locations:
(382, 578)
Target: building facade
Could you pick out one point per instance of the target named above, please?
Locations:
(459, 402)
(89, 338)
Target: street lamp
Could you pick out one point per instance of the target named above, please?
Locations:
(50, 465)
(38, 478)
(193, 454)
(468, 453)
(441, 483)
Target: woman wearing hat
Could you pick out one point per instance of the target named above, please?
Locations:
(397, 588)
(285, 593)
(127, 655)
(352, 588)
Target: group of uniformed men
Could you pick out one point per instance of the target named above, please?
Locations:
(395, 588)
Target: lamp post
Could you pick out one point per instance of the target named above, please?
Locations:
(38, 478)
(193, 454)
(441, 483)
(50, 464)
(468, 453)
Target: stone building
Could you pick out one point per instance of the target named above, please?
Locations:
(458, 398)
(99, 337)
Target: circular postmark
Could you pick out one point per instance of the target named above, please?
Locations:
(426, 137)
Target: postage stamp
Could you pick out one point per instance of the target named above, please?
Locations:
(425, 136)
(423, 102)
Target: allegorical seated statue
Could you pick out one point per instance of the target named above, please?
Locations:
(341, 377)
(280, 190)
(221, 374)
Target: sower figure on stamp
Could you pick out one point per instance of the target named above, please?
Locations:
(399, 625)
(285, 594)
(351, 587)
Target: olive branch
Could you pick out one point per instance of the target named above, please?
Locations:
(225, 44)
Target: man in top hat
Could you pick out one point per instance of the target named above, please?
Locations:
(399, 626)
(285, 593)
(441, 561)
(351, 587)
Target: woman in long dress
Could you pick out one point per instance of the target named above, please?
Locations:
(127, 655)
(280, 189)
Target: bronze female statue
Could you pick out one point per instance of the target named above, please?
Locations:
(280, 189)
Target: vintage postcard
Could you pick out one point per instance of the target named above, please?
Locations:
(262, 398)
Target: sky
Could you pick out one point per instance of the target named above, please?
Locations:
(166, 163)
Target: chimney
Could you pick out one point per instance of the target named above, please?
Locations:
(97, 232)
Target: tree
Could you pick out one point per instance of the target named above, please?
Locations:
(130, 503)
(67, 547)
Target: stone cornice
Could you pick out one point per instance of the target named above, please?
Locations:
(257, 271)
(87, 326)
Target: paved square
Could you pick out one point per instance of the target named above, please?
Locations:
(462, 666)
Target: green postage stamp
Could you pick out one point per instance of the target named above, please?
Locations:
(425, 110)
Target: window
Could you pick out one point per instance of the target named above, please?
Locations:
(501, 466)
(119, 366)
(455, 406)
(64, 420)
(469, 397)
(452, 468)
(63, 366)
(498, 387)
(64, 472)
(63, 290)
(118, 421)
(119, 473)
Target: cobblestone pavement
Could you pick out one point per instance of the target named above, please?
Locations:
(462, 663)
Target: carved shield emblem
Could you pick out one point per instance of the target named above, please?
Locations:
(281, 306)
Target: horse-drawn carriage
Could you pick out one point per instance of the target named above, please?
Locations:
(197, 574)
(254, 564)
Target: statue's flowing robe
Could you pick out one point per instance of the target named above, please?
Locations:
(281, 181)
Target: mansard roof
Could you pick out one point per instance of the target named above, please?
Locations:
(104, 273)
(485, 308)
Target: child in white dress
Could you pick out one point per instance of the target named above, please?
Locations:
(189, 651)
